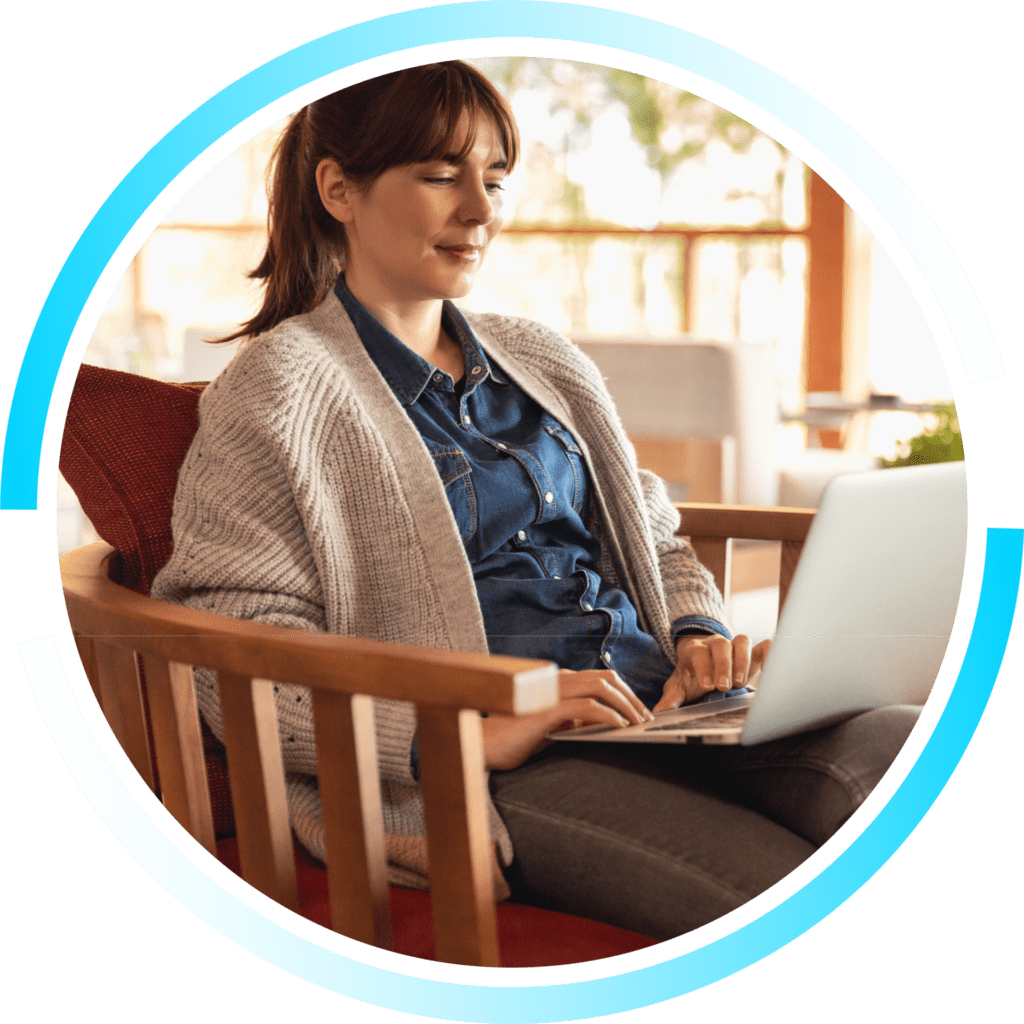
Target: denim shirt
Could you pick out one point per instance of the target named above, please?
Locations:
(519, 492)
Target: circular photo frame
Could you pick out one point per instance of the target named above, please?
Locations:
(626, 987)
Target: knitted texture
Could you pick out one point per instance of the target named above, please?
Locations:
(124, 439)
(309, 500)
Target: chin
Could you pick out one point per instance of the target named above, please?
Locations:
(458, 288)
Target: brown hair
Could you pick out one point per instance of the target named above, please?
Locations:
(405, 117)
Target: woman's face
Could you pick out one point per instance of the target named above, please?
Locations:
(420, 231)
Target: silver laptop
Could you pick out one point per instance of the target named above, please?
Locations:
(866, 622)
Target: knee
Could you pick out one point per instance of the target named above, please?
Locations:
(863, 748)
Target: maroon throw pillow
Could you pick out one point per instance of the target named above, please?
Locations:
(124, 441)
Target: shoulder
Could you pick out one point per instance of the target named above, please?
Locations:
(271, 372)
(536, 344)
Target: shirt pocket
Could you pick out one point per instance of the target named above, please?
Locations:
(457, 476)
(572, 452)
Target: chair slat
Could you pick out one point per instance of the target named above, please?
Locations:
(178, 739)
(117, 676)
(346, 754)
(715, 554)
(453, 784)
(787, 566)
(87, 652)
(256, 772)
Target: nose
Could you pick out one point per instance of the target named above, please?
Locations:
(478, 206)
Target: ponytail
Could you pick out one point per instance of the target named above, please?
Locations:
(305, 245)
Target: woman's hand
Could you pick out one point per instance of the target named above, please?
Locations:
(586, 698)
(707, 663)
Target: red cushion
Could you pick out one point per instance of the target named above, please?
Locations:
(124, 441)
(527, 936)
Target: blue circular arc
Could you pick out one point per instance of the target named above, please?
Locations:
(530, 19)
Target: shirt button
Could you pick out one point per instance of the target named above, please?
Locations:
(501, 446)
(606, 658)
(549, 497)
(466, 420)
(476, 369)
(521, 535)
(588, 607)
(556, 577)
(437, 376)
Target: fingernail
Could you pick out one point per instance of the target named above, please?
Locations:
(723, 683)
(739, 677)
(707, 683)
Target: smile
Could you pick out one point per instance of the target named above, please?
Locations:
(462, 253)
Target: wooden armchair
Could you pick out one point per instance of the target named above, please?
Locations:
(114, 626)
(120, 631)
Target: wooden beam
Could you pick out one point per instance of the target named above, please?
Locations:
(459, 848)
(826, 238)
(357, 878)
(178, 739)
(256, 772)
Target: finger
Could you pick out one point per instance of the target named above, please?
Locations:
(675, 692)
(587, 711)
(606, 686)
(701, 664)
(758, 655)
(616, 681)
(740, 659)
(721, 654)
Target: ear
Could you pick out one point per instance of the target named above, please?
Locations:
(335, 190)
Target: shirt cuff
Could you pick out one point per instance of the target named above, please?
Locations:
(698, 625)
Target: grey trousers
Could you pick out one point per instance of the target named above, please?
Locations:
(662, 839)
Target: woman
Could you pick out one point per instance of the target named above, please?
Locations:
(374, 463)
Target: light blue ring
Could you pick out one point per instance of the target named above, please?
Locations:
(523, 18)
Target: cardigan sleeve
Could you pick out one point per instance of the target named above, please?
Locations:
(241, 549)
(690, 591)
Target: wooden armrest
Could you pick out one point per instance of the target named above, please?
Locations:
(124, 619)
(748, 522)
(115, 627)
(712, 529)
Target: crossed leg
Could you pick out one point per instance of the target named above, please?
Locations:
(663, 839)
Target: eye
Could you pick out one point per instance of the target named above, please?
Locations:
(439, 181)
(495, 187)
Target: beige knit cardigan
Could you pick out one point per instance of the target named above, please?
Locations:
(309, 500)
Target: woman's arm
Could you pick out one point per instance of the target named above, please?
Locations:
(690, 590)
(241, 547)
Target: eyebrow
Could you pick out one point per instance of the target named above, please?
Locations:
(453, 159)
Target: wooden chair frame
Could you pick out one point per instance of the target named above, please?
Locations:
(116, 630)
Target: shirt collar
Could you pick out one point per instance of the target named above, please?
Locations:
(407, 373)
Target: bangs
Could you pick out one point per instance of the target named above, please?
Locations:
(423, 114)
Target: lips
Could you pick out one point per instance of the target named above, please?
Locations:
(463, 253)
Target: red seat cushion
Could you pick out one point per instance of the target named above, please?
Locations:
(527, 936)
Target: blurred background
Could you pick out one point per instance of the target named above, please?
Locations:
(755, 336)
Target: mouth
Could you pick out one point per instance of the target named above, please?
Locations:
(462, 253)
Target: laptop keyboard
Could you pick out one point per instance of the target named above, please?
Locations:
(719, 720)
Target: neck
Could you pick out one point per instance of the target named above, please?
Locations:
(416, 323)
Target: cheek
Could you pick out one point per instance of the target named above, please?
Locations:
(496, 224)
